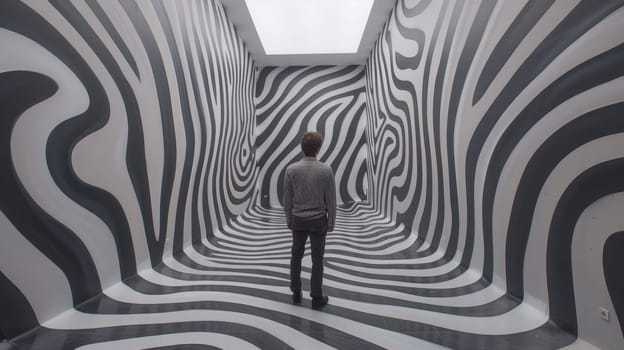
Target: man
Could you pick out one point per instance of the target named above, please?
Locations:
(310, 206)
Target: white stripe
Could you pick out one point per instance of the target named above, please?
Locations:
(177, 339)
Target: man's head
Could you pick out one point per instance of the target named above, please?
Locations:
(311, 142)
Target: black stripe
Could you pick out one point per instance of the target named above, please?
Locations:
(612, 262)
(17, 316)
(19, 91)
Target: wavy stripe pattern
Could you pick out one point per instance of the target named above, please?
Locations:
(128, 135)
(478, 155)
(498, 117)
(293, 100)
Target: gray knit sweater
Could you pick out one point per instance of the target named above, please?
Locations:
(310, 190)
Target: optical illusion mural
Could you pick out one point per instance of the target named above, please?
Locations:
(478, 156)
(292, 100)
(116, 148)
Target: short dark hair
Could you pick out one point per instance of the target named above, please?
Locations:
(311, 142)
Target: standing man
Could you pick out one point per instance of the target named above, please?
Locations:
(310, 206)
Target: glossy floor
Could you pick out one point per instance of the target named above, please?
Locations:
(387, 290)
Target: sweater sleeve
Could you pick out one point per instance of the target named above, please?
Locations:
(287, 200)
(330, 198)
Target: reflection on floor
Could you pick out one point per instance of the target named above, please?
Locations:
(387, 290)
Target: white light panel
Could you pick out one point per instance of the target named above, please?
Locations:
(290, 27)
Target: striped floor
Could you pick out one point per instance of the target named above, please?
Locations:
(387, 290)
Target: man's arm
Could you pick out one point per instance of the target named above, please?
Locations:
(287, 200)
(330, 201)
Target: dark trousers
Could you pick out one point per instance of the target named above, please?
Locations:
(316, 229)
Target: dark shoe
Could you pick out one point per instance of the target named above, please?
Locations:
(319, 302)
(296, 298)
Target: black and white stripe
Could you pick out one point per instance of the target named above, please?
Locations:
(478, 158)
(121, 124)
(508, 98)
(293, 100)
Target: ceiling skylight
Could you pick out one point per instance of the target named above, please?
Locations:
(290, 27)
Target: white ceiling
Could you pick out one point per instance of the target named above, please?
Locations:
(238, 13)
(294, 27)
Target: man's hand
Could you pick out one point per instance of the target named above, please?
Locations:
(330, 228)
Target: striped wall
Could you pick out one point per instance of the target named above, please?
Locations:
(293, 100)
(496, 134)
(127, 132)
